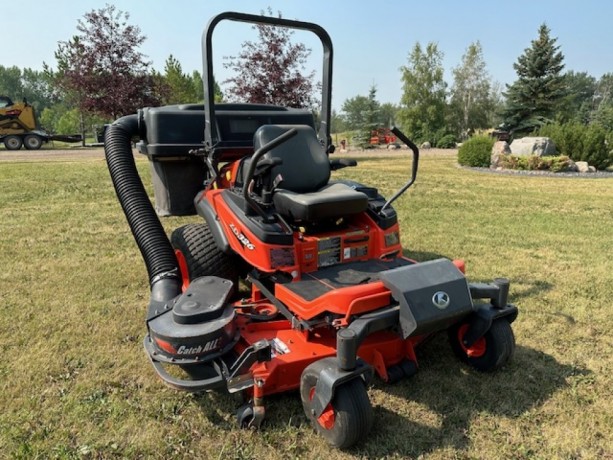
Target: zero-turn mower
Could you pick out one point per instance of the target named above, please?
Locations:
(331, 298)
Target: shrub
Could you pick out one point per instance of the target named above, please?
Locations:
(561, 163)
(595, 149)
(446, 142)
(536, 163)
(580, 142)
(476, 151)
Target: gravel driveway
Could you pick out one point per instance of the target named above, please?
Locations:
(43, 154)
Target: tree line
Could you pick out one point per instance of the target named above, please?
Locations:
(432, 110)
(100, 75)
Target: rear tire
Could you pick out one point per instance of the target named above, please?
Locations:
(32, 142)
(198, 254)
(13, 142)
(488, 353)
(347, 419)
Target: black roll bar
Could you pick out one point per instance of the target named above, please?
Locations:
(210, 131)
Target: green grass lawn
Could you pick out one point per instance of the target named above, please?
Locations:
(75, 382)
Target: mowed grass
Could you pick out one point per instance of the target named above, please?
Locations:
(75, 382)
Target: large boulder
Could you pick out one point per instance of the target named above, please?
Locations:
(526, 146)
(582, 166)
(500, 149)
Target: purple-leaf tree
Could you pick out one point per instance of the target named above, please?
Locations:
(101, 68)
(271, 70)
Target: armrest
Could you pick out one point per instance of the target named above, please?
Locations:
(340, 163)
(266, 165)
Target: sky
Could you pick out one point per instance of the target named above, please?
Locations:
(371, 39)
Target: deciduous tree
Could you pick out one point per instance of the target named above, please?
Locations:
(10, 82)
(32, 85)
(271, 70)
(422, 111)
(353, 110)
(37, 88)
(603, 103)
(472, 101)
(101, 67)
(578, 102)
(388, 113)
(337, 122)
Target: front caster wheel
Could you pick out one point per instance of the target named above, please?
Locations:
(244, 416)
(488, 353)
(249, 416)
(347, 419)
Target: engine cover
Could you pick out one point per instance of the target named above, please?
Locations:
(198, 326)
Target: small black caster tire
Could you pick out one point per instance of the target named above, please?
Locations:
(394, 374)
(245, 416)
(349, 416)
(488, 353)
(409, 368)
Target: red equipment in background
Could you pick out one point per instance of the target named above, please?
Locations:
(382, 136)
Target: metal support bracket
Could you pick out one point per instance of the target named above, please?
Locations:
(239, 377)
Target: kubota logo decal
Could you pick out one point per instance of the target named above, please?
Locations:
(441, 300)
(242, 238)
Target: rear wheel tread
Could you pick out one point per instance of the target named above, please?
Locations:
(202, 256)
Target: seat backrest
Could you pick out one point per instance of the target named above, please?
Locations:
(306, 167)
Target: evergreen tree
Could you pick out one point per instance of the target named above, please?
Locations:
(422, 112)
(182, 89)
(370, 118)
(199, 88)
(533, 98)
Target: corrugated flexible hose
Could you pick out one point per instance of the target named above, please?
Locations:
(157, 252)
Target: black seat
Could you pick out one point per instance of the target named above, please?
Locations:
(303, 194)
